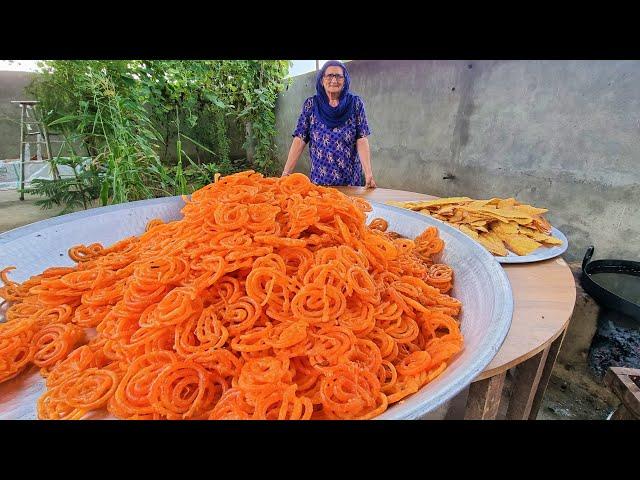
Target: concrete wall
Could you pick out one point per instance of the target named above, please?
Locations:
(564, 135)
(12, 85)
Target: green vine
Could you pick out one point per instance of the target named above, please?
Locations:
(138, 119)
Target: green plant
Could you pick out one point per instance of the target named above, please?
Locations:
(69, 192)
(252, 87)
(117, 133)
(127, 115)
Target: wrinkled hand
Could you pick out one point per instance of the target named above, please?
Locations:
(370, 183)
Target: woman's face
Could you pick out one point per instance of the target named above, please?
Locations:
(333, 80)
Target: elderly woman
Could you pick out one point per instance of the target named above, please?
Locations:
(334, 124)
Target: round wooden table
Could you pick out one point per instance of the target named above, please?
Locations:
(544, 295)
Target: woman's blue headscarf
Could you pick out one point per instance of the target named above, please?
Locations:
(333, 116)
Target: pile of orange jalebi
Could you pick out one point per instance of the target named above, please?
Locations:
(270, 299)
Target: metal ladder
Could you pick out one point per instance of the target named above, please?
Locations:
(30, 127)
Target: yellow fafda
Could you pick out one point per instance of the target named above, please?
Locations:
(498, 224)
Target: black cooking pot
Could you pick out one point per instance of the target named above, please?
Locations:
(614, 284)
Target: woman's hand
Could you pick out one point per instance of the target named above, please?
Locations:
(370, 182)
(297, 146)
(362, 145)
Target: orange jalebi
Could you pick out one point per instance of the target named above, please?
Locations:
(270, 299)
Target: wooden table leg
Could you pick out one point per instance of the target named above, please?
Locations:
(525, 385)
(458, 405)
(554, 348)
(484, 398)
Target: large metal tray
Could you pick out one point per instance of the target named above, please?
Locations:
(480, 284)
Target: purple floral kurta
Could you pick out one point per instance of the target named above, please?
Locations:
(334, 158)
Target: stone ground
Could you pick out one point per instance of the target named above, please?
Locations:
(15, 213)
(573, 393)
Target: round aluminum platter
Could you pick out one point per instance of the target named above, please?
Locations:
(479, 283)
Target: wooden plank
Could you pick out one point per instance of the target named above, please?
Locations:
(546, 373)
(620, 381)
(484, 398)
(623, 413)
(527, 378)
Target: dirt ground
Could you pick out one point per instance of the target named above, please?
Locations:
(16, 213)
(572, 394)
